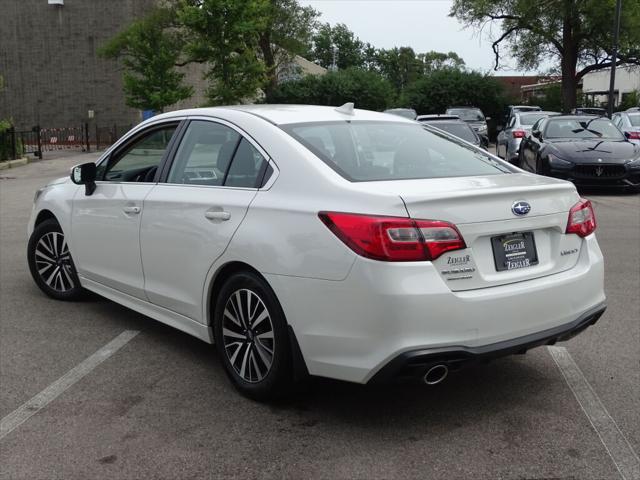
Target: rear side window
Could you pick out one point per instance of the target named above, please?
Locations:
(368, 151)
(460, 130)
(247, 168)
(204, 154)
(213, 154)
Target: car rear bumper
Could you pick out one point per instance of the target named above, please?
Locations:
(351, 329)
(413, 365)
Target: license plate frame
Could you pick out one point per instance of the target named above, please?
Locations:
(514, 251)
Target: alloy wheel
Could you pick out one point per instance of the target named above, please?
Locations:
(248, 335)
(53, 262)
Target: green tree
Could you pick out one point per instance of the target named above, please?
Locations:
(400, 66)
(224, 34)
(148, 50)
(368, 90)
(349, 49)
(287, 32)
(432, 60)
(435, 92)
(575, 33)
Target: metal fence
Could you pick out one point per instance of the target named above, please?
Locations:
(16, 143)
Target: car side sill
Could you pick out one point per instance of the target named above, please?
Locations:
(175, 320)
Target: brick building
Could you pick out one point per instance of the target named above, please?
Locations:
(52, 74)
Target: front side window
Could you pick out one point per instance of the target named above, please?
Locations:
(139, 161)
(369, 151)
(589, 128)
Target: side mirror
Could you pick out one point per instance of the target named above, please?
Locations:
(85, 174)
(537, 134)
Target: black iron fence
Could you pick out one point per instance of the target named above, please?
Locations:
(17, 143)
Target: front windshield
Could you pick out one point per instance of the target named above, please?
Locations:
(368, 151)
(569, 128)
(467, 114)
(460, 130)
(531, 118)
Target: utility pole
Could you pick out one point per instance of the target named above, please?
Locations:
(614, 57)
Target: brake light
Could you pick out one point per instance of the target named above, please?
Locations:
(393, 239)
(518, 133)
(633, 135)
(582, 218)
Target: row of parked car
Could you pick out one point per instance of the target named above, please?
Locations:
(585, 147)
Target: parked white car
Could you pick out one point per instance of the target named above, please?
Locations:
(331, 241)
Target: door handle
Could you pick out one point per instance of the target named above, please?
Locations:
(130, 209)
(218, 215)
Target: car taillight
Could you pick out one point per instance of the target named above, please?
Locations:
(518, 133)
(582, 218)
(633, 135)
(393, 239)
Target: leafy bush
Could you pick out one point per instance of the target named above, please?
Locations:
(368, 90)
(5, 140)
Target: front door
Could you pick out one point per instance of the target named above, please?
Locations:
(189, 220)
(105, 226)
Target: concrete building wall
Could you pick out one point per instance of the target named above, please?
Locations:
(52, 73)
(597, 83)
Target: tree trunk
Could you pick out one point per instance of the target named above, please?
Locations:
(569, 86)
(569, 60)
(269, 63)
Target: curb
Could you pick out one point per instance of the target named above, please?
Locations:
(14, 163)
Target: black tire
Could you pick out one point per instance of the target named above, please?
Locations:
(50, 262)
(244, 346)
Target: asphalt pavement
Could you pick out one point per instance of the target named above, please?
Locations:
(161, 407)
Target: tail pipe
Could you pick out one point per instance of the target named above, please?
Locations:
(436, 374)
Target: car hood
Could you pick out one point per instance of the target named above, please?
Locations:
(594, 151)
(58, 181)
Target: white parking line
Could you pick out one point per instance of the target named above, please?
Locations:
(618, 447)
(41, 400)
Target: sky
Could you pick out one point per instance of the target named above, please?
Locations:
(423, 25)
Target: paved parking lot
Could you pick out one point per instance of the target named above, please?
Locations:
(161, 407)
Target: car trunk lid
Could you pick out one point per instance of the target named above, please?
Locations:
(481, 208)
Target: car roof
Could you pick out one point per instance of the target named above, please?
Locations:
(538, 112)
(461, 107)
(439, 117)
(580, 118)
(287, 114)
(532, 107)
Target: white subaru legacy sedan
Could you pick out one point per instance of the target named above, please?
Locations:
(334, 242)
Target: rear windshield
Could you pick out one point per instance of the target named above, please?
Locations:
(460, 130)
(369, 151)
(635, 120)
(531, 118)
(467, 114)
(582, 129)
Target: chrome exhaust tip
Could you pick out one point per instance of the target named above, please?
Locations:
(436, 374)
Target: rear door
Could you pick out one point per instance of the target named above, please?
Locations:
(191, 215)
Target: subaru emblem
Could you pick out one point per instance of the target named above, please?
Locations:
(520, 208)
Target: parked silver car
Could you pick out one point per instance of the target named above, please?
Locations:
(629, 123)
(519, 126)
